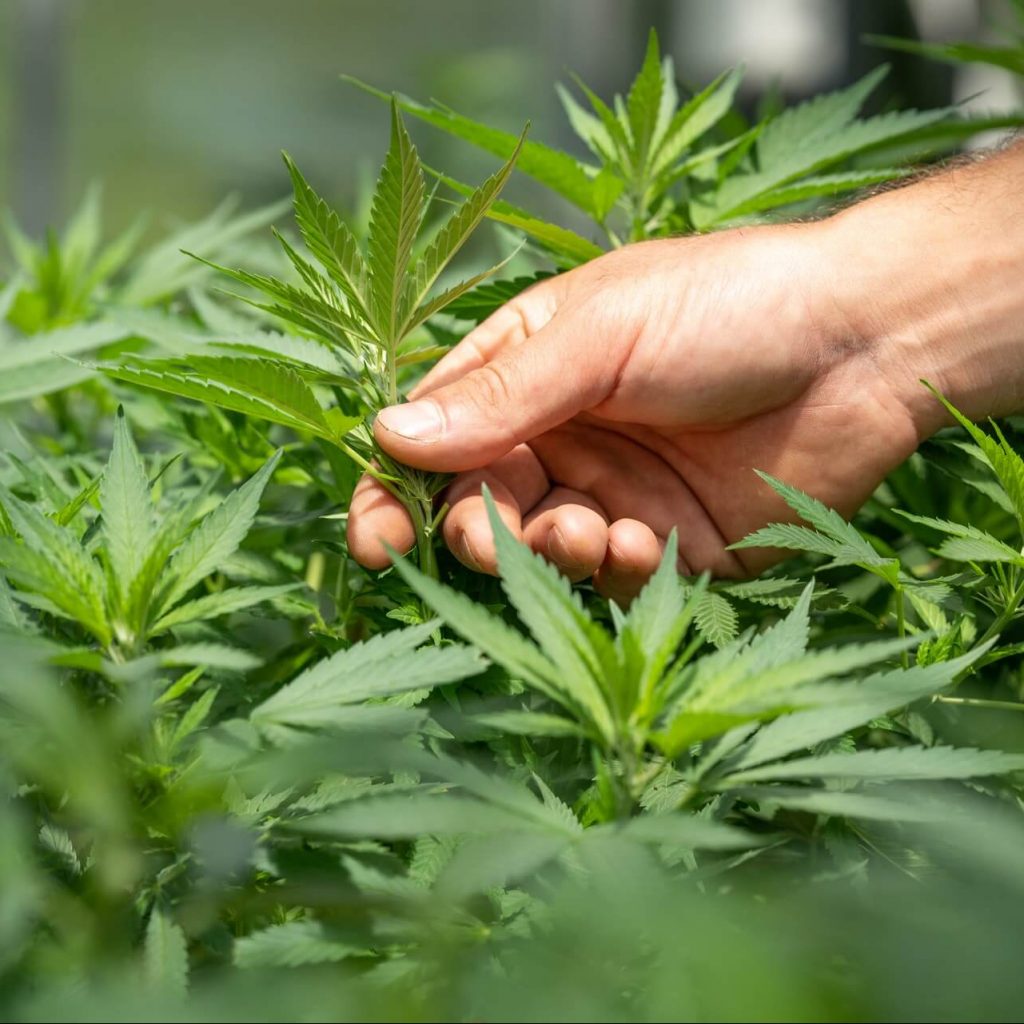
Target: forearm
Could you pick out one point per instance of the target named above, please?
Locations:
(930, 278)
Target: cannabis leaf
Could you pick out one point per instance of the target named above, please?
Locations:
(129, 586)
(166, 956)
(363, 306)
(335, 690)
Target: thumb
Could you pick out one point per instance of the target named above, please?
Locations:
(527, 389)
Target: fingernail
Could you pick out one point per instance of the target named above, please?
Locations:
(418, 421)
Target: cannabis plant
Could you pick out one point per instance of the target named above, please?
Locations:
(365, 308)
(651, 710)
(123, 578)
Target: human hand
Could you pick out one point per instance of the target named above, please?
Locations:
(637, 394)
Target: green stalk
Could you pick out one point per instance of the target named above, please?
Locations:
(427, 554)
(422, 513)
(901, 625)
(392, 363)
(980, 702)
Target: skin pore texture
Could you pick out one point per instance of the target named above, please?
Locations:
(638, 393)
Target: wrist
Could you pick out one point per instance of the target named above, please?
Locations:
(929, 280)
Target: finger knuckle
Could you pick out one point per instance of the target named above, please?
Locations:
(493, 389)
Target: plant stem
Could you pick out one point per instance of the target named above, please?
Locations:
(427, 555)
(422, 513)
(981, 702)
(633, 783)
(392, 376)
(901, 625)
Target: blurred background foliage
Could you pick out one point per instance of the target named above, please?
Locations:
(173, 106)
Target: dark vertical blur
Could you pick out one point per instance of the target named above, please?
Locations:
(37, 122)
(912, 82)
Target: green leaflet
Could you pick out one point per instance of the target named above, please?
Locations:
(485, 862)
(1007, 465)
(558, 170)
(716, 619)
(215, 538)
(490, 634)
(127, 510)
(41, 364)
(48, 348)
(819, 185)
(696, 117)
(553, 613)
(209, 655)
(529, 723)
(804, 126)
(292, 944)
(683, 830)
(771, 591)
(222, 602)
(805, 139)
(895, 763)
(972, 549)
(405, 816)
(166, 955)
(482, 301)
(1010, 58)
(659, 617)
(564, 245)
(763, 677)
(315, 309)
(193, 719)
(861, 703)
(330, 240)
(644, 104)
(456, 230)
(395, 218)
(53, 563)
(874, 805)
(167, 268)
(11, 616)
(441, 301)
(387, 664)
(262, 388)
